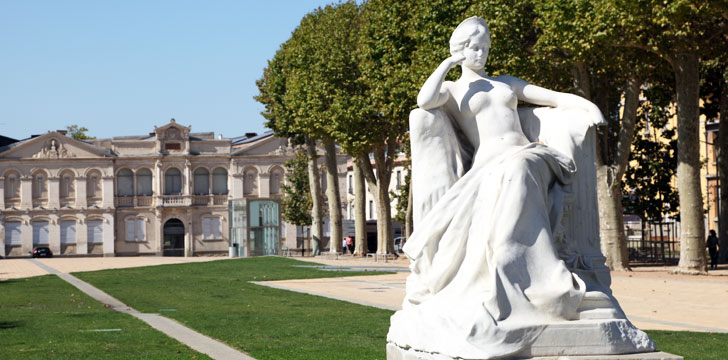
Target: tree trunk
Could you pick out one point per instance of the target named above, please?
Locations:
(409, 217)
(582, 83)
(334, 197)
(611, 221)
(385, 242)
(721, 148)
(314, 182)
(692, 235)
(360, 216)
(379, 184)
(609, 185)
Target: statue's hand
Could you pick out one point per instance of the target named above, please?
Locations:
(454, 60)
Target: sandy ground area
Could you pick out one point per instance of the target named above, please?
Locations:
(650, 296)
(18, 268)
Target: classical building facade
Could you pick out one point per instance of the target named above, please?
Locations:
(166, 193)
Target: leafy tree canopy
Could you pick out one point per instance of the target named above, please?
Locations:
(78, 132)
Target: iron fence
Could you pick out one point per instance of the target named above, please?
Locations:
(655, 243)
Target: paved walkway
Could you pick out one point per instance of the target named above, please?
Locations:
(201, 343)
(651, 298)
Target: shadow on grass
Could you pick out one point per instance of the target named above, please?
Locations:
(8, 281)
(10, 324)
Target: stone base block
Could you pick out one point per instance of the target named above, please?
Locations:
(582, 339)
(395, 352)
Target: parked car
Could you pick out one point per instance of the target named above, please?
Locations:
(42, 251)
(398, 243)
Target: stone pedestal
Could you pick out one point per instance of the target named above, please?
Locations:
(582, 339)
(395, 352)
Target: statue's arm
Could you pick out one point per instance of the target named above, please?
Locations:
(541, 96)
(433, 94)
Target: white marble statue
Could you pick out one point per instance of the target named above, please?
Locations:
(505, 255)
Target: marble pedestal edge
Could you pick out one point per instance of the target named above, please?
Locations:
(578, 340)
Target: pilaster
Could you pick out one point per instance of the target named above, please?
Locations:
(236, 186)
(108, 192)
(108, 235)
(81, 192)
(82, 233)
(264, 185)
(26, 192)
(2, 236)
(54, 234)
(2, 201)
(26, 236)
(186, 182)
(54, 193)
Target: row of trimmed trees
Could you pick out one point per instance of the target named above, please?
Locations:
(350, 73)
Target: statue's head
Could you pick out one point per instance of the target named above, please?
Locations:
(471, 38)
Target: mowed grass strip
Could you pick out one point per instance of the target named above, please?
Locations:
(46, 318)
(217, 299)
(692, 345)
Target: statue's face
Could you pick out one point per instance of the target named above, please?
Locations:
(476, 51)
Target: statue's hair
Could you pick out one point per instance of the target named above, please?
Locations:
(467, 29)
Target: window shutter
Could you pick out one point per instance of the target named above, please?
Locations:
(12, 233)
(94, 231)
(206, 228)
(68, 232)
(40, 232)
(216, 227)
(141, 230)
(130, 230)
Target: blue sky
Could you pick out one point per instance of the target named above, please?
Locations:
(122, 67)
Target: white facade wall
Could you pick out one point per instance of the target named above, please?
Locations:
(171, 146)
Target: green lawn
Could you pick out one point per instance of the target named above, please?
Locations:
(41, 319)
(216, 299)
(47, 318)
(692, 345)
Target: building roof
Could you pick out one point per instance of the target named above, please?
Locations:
(250, 137)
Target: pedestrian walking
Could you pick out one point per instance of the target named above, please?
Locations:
(350, 244)
(712, 245)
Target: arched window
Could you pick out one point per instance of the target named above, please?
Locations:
(144, 182)
(202, 181)
(40, 185)
(12, 185)
(219, 181)
(172, 182)
(125, 183)
(250, 185)
(276, 177)
(93, 184)
(67, 185)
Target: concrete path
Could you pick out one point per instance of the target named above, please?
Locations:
(651, 298)
(201, 343)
